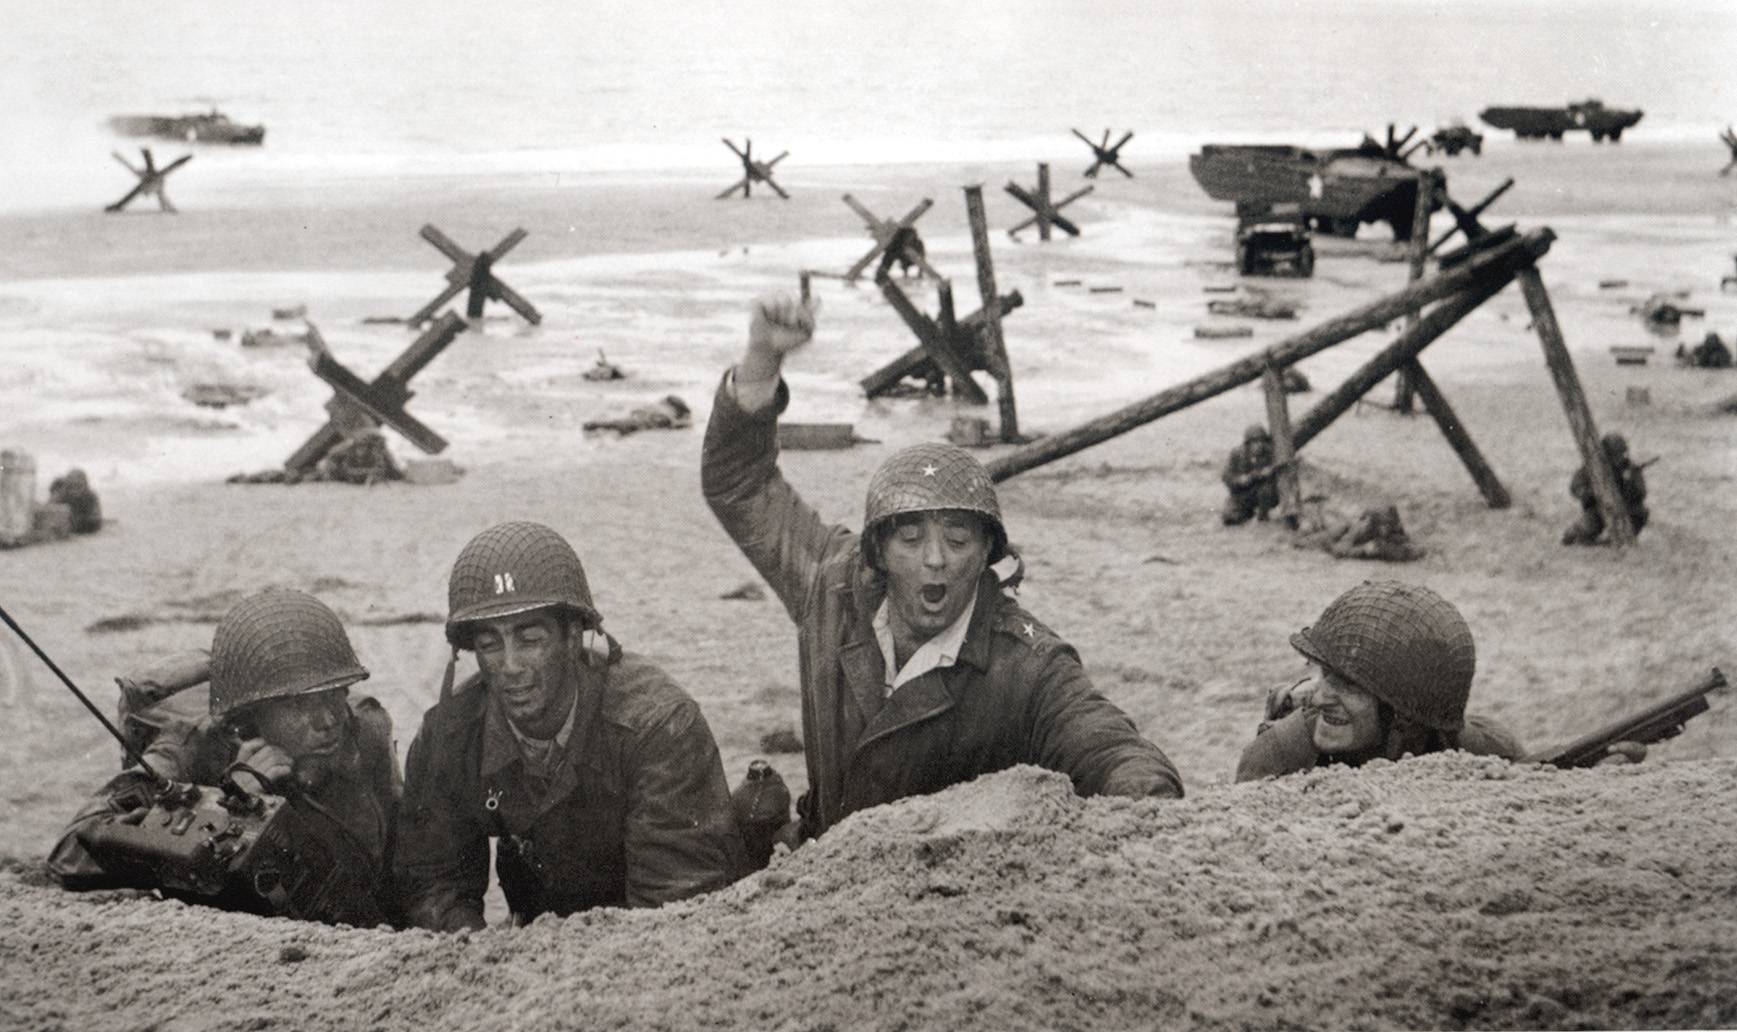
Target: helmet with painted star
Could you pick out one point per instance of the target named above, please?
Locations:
(932, 478)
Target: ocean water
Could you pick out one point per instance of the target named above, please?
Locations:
(442, 86)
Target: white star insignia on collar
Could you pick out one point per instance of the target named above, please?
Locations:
(930, 470)
(1030, 631)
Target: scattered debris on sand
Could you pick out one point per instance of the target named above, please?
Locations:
(671, 413)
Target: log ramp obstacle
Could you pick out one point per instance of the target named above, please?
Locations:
(1468, 278)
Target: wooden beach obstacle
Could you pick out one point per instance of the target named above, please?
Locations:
(357, 405)
(897, 236)
(151, 180)
(753, 171)
(1464, 281)
(1729, 139)
(474, 272)
(1104, 154)
(1044, 213)
(949, 349)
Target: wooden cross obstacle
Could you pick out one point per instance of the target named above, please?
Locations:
(753, 171)
(1729, 138)
(1104, 154)
(358, 404)
(896, 235)
(953, 348)
(1044, 214)
(150, 180)
(474, 272)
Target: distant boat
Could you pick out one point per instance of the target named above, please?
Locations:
(1535, 123)
(214, 127)
(1334, 191)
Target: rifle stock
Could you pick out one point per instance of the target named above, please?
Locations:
(1662, 720)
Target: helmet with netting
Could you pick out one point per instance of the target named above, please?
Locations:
(1256, 432)
(277, 643)
(1402, 643)
(514, 568)
(932, 478)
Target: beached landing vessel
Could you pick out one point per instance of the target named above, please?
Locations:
(1334, 191)
(212, 127)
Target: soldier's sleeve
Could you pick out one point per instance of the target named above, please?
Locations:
(1635, 489)
(1078, 732)
(781, 535)
(1232, 469)
(1283, 747)
(440, 862)
(69, 861)
(680, 837)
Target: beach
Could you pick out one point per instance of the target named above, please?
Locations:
(108, 319)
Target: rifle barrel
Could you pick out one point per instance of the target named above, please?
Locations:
(1587, 750)
(133, 755)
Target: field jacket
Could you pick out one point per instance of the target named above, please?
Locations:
(1287, 745)
(637, 813)
(1016, 693)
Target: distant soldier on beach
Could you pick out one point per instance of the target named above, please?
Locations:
(919, 670)
(593, 771)
(280, 720)
(84, 510)
(1631, 485)
(1251, 477)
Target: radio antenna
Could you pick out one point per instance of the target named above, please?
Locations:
(133, 755)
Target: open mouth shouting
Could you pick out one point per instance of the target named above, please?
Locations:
(934, 594)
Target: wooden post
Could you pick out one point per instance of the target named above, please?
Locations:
(1404, 348)
(997, 347)
(1427, 182)
(1495, 495)
(1498, 263)
(1284, 452)
(1604, 486)
(1043, 195)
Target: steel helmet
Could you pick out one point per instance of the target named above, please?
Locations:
(278, 643)
(513, 568)
(1402, 643)
(1256, 432)
(930, 477)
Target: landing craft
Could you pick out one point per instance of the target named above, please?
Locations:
(1333, 191)
(214, 127)
(1535, 123)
